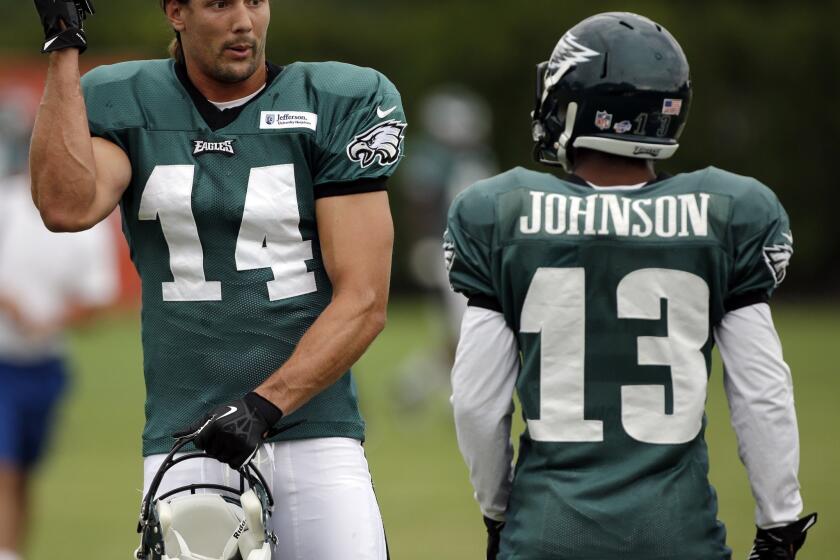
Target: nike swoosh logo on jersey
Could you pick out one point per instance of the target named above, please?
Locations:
(382, 114)
(50, 42)
(228, 413)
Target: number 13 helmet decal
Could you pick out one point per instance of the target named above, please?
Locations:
(616, 83)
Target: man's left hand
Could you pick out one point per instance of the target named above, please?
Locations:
(781, 543)
(233, 432)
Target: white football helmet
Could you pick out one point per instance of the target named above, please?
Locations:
(231, 524)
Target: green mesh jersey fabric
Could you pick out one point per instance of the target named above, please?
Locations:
(222, 229)
(613, 295)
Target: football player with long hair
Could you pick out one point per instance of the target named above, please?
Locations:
(254, 202)
(598, 297)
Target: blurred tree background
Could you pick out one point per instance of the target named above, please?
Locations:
(765, 76)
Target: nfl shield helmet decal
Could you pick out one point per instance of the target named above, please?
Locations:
(603, 120)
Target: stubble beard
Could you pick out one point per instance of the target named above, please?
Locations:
(234, 72)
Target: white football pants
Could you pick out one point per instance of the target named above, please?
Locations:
(324, 505)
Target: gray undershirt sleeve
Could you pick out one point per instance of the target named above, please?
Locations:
(760, 392)
(483, 379)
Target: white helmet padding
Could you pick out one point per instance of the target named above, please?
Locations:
(206, 521)
(254, 538)
(201, 526)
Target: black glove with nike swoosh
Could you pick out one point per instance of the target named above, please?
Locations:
(233, 432)
(62, 21)
(781, 543)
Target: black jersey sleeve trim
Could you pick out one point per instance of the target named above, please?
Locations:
(745, 300)
(358, 186)
(485, 302)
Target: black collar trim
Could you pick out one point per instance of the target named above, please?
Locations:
(214, 117)
(661, 176)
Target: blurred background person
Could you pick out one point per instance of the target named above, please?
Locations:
(48, 282)
(451, 152)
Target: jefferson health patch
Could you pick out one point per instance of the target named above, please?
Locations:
(383, 142)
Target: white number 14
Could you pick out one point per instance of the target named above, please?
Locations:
(269, 236)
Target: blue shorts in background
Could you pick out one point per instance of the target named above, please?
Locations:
(28, 398)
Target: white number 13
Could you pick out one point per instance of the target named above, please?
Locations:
(269, 236)
(555, 308)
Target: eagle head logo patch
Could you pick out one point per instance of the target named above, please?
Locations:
(382, 143)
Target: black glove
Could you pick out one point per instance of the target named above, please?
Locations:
(494, 535)
(233, 432)
(69, 12)
(781, 543)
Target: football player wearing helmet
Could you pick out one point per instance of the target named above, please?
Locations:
(598, 297)
(254, 202)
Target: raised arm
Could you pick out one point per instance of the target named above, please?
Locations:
(76, 180)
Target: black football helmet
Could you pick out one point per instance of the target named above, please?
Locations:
(617, 83)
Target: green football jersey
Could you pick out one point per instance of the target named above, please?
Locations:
(613, 294)
(220, 220)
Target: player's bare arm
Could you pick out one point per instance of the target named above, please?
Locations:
(77, 180)
(357, 236)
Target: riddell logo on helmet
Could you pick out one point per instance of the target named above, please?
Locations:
(644, 150)
(243, 526)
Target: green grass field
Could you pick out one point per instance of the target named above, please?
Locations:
(88, 492)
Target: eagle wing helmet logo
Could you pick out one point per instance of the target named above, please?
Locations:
(382, 142)
(567, 54)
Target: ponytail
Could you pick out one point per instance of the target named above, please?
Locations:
(176, 50)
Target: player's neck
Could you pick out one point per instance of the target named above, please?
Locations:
(214, 90)
(605, 170)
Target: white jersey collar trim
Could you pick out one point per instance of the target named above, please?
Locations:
(618, 187)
